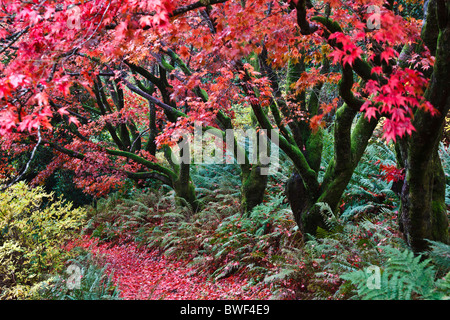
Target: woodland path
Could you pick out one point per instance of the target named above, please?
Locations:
(148, 275)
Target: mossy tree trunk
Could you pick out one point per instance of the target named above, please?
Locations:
(181, 181)
(185, 189)
(304, 145)
(253, 183)
(423, 212)
(253, 187)
(350, 144)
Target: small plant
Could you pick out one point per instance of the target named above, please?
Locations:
(440, 255)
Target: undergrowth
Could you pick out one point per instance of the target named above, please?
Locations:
(94, 282)
(265, 244)
(218, 240)
(401, 276)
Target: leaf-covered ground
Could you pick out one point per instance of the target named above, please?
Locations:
(141, 274)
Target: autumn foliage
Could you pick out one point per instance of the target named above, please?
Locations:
(103, 87)
(55, 51)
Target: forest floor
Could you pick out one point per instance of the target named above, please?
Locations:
(140, 274)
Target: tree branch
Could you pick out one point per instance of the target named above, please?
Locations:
(140, 160)
(193, 6)
(152, 175)
(169, 109)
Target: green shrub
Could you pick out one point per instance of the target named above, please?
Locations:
(32, 237)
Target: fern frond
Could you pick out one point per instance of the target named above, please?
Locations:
(403, 277)
(440, 254)
(283, 274)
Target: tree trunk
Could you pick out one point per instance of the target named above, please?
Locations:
(304, 206)
(182, 183)
(253, 187)
(350, 144)
(423, 212)
(185, 191)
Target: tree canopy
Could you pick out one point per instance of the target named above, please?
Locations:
(105, 84)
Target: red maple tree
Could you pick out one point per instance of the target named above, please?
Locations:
(105, 84)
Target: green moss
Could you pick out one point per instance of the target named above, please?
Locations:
(253, 188)
(167, 65)
(185, 192)
(314, 147)
(440, 230)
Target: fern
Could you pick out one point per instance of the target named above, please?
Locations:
(327, 152)
(442, 290)
(367, 192)
(247, 242)
(403, 276)
(95, 283)
(445, 159)
(345, 247)
(212, 180)
(331, 221)
(282, 275)
(440, 254)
